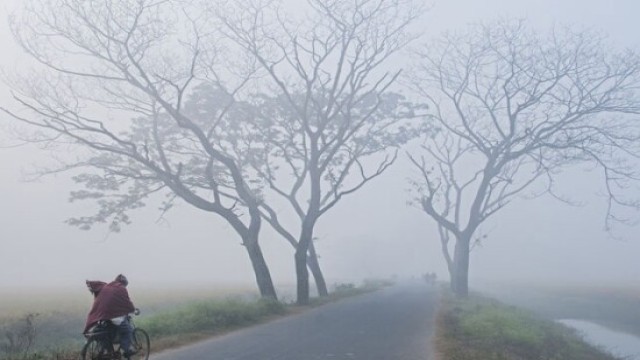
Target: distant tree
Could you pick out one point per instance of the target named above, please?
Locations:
(332, 121)
(113, 86)
(514, 108)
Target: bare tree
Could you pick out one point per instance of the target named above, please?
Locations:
(111, 90)
(331, 108)
(249, 142)
(514, 109)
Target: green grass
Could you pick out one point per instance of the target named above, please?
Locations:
(61, 313)
(615, 308)
(189, 322)
(210, 316)
(481, 328)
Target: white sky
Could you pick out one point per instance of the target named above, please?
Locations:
(372, 233)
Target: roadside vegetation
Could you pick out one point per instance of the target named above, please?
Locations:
(483, 328)
(202, 319)
(55, 335)
(199, 320)
(612, 307)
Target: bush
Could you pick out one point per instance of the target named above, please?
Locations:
(376, 283)
(344, 287)
(20, 336)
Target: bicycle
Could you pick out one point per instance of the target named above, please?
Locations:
(103, 342)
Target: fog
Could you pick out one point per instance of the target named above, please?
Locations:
(373, 233)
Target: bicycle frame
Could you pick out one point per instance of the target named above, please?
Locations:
(103, 342)
(107, 336)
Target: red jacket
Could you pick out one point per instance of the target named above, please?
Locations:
(111, 301)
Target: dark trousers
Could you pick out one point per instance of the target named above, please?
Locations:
(125, 330)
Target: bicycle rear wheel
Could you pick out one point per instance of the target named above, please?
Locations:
(140, 344)
(95, 350)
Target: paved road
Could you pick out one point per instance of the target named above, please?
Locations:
(395, 323)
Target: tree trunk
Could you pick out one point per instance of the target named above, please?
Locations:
(302, 276)
(314, 266)
(444, 242)
(452, 279)
(460, 276)
(260, 268)
(302, 273)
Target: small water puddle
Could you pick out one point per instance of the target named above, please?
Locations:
(618, 343)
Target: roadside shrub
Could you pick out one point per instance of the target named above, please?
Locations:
(344, 287)
(210, 316)
(20, 336)
(376, 283)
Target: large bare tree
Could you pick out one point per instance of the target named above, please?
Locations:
(331, 109)
(111, 89)
(249, 141)
(514, 108)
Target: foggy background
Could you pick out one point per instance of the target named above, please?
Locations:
(373, 233)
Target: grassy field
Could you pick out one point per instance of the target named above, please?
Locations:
(172, 318)
(612, 307)
(482, 328)
(59, 315)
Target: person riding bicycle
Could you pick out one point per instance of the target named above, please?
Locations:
(112, 302)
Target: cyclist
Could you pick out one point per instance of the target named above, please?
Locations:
(112, 302)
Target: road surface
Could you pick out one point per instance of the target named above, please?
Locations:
(395, 323)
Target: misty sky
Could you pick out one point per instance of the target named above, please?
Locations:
(373, 233)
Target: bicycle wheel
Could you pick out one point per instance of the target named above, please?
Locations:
(95, 350)
(140, 344)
